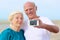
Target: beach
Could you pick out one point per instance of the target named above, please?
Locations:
(54, 36)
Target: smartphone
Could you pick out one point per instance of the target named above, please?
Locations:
(33, 22)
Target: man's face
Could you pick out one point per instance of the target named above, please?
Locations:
(30, 10)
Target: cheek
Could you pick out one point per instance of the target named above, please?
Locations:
(14, 21)
(26, 13)
(21, 21)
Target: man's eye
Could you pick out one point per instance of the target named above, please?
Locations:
(30, 9)
(26, 10)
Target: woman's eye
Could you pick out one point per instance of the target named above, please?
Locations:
(16, 17)
(21, 18)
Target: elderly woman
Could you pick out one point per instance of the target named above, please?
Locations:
(14, 32)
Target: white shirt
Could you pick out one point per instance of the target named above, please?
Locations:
(33, 33)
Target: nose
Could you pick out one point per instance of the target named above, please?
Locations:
(20, 20)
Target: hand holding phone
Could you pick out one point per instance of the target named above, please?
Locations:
(34, 22)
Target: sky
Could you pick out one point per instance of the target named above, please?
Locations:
(48, 8)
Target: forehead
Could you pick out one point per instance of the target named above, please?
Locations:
(18, 15)
(28, 5)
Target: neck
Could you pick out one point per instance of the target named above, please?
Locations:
(15, 28)
(34, 17)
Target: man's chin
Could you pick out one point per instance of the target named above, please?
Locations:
(30, 17)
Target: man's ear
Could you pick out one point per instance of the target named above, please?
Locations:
(36, 7)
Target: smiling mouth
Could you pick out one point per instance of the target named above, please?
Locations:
(30, 13)
(19, 23)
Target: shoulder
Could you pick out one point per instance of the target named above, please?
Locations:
(6, 31)
(5, 34)
(46, 20)
(43, 17)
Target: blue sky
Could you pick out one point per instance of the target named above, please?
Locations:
(48, 8)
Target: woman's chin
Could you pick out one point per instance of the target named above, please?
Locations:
(19, 25)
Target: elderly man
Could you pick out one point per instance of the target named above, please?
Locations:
(41, 32)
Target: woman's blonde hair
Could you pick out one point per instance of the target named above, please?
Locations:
(12, 15)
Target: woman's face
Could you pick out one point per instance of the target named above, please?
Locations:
(17, 20)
